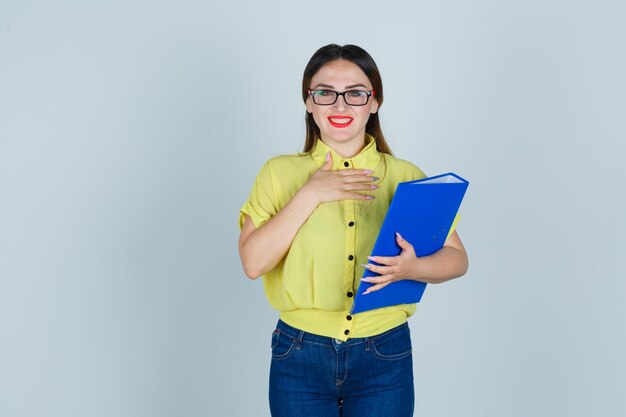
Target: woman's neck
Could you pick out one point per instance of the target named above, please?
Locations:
(346, 149)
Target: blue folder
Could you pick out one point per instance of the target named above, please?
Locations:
(422, 211)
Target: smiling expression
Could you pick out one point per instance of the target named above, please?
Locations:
(341, 126)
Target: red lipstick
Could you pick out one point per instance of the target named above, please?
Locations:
(340, 121)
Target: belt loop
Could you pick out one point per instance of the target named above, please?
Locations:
(367, 343)
(299, 340)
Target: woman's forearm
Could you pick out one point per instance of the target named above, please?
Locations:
(445, 264)
(263, 248)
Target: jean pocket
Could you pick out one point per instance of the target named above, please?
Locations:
(282, 345)
(392, 346)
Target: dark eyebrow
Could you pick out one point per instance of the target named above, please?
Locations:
(347, 87)
(322, 85)
(356, 85)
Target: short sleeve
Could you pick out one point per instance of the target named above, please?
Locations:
(417, 174)
(261, 204)
(454, 224)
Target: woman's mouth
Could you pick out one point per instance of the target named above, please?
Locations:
(340, 121)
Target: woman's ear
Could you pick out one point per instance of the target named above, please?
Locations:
(309, 106)
(374, 108)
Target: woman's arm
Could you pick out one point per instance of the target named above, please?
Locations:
(261, 249)
(447, 263)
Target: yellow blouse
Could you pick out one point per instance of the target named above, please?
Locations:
(314, 284)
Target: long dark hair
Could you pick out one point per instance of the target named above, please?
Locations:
(363, 60)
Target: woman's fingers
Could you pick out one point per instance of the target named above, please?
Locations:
(328, 164)
(357, 196)
(357, 186)
(353, 176)
(376, 287)
(379, 269)
(358, 180)
(346, 172)
(332, 185)
(385, 278)
(383, 260)
(359, 174)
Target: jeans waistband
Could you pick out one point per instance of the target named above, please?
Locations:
(305, 337)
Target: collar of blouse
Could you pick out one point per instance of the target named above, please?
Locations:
(367, 158)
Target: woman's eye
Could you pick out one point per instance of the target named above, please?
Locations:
(354, 93)
(326, 93)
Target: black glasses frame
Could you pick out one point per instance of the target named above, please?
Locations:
(337, 94)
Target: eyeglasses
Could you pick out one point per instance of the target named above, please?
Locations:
(351, 97)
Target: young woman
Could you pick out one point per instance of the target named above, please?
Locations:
(308, 228)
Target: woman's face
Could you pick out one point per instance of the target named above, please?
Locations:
(340, 124)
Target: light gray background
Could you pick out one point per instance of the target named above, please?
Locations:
(131, 132)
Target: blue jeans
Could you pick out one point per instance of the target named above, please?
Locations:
(317, 376)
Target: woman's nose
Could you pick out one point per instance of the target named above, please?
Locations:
(341, 104)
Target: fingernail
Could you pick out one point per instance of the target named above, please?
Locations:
(400, 236)
(373, 187)
(367, 266)
(367, 171)
(375, 178)
(371, 258)
(369, 197)
(327, 156)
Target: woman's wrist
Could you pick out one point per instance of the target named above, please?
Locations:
(417, 269)
(445, 264)
(308, 197)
